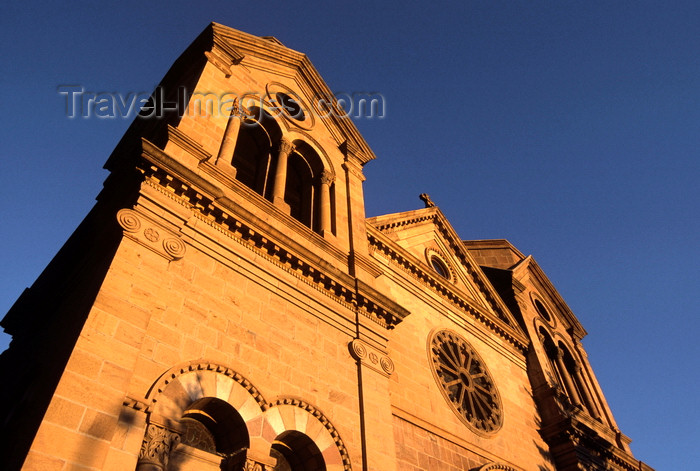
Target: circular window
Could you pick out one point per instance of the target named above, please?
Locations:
(542, 311)
(465, 382)
(440, 267)
(290, 106)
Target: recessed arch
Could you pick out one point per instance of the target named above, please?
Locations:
(295, 415)
(308, 188)
(295, 451)
(213, 425)
(299, 136)
(175, 391)
(254, 156)
(207, 391)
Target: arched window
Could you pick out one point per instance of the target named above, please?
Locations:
(295, 451)
(580, 389)
(254, 157)
(290, 174)
(551, 351)
(307, 186)
(299, 192)
(542, 311)
(214, 426)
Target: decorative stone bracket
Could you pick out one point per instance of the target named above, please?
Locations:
(154, 237)
(371, 357)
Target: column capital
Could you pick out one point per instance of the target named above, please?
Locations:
(327, 177)
(235, 109)
(286, 146)
(157, 445)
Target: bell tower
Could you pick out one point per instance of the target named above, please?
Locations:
(227, 249)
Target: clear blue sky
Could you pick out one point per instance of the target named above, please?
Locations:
(571, 129)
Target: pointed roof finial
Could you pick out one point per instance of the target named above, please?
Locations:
(426, 199)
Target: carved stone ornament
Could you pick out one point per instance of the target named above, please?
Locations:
(327, 177)
(497, 466)
(240, 461)
(251, 465)
(196, 435)
(286, 146)
(157, 445)
(371, 357)
(150, 235)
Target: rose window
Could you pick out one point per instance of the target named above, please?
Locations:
(465, 381)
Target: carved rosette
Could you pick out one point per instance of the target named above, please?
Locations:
(147, 233)
(371, 357)
(156, 446)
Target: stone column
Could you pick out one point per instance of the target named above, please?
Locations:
(286, 148)
(566, 377)
(327, 179)
(228, 144)
(587, 399)
(156, 448)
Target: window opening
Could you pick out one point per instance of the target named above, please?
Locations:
(440, 267)
(542, 311)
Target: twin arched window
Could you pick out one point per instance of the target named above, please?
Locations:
(568, 373)
(290, 174)
(215, 427)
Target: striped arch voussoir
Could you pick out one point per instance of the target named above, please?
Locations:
(174, 391)
(329, 427)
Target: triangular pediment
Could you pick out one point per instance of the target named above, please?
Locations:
(426, 239)
(290, 72)
(500, 255)
(529, 272)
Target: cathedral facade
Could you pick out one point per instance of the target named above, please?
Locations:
(227, 305)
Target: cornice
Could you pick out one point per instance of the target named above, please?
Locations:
(404, 260)
(535, 271)
(210, 204)
(596, 444)
(395, 222)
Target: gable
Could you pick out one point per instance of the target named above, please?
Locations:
(423, 243)
(270, 68)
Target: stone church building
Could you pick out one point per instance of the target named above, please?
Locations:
(226, 305)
